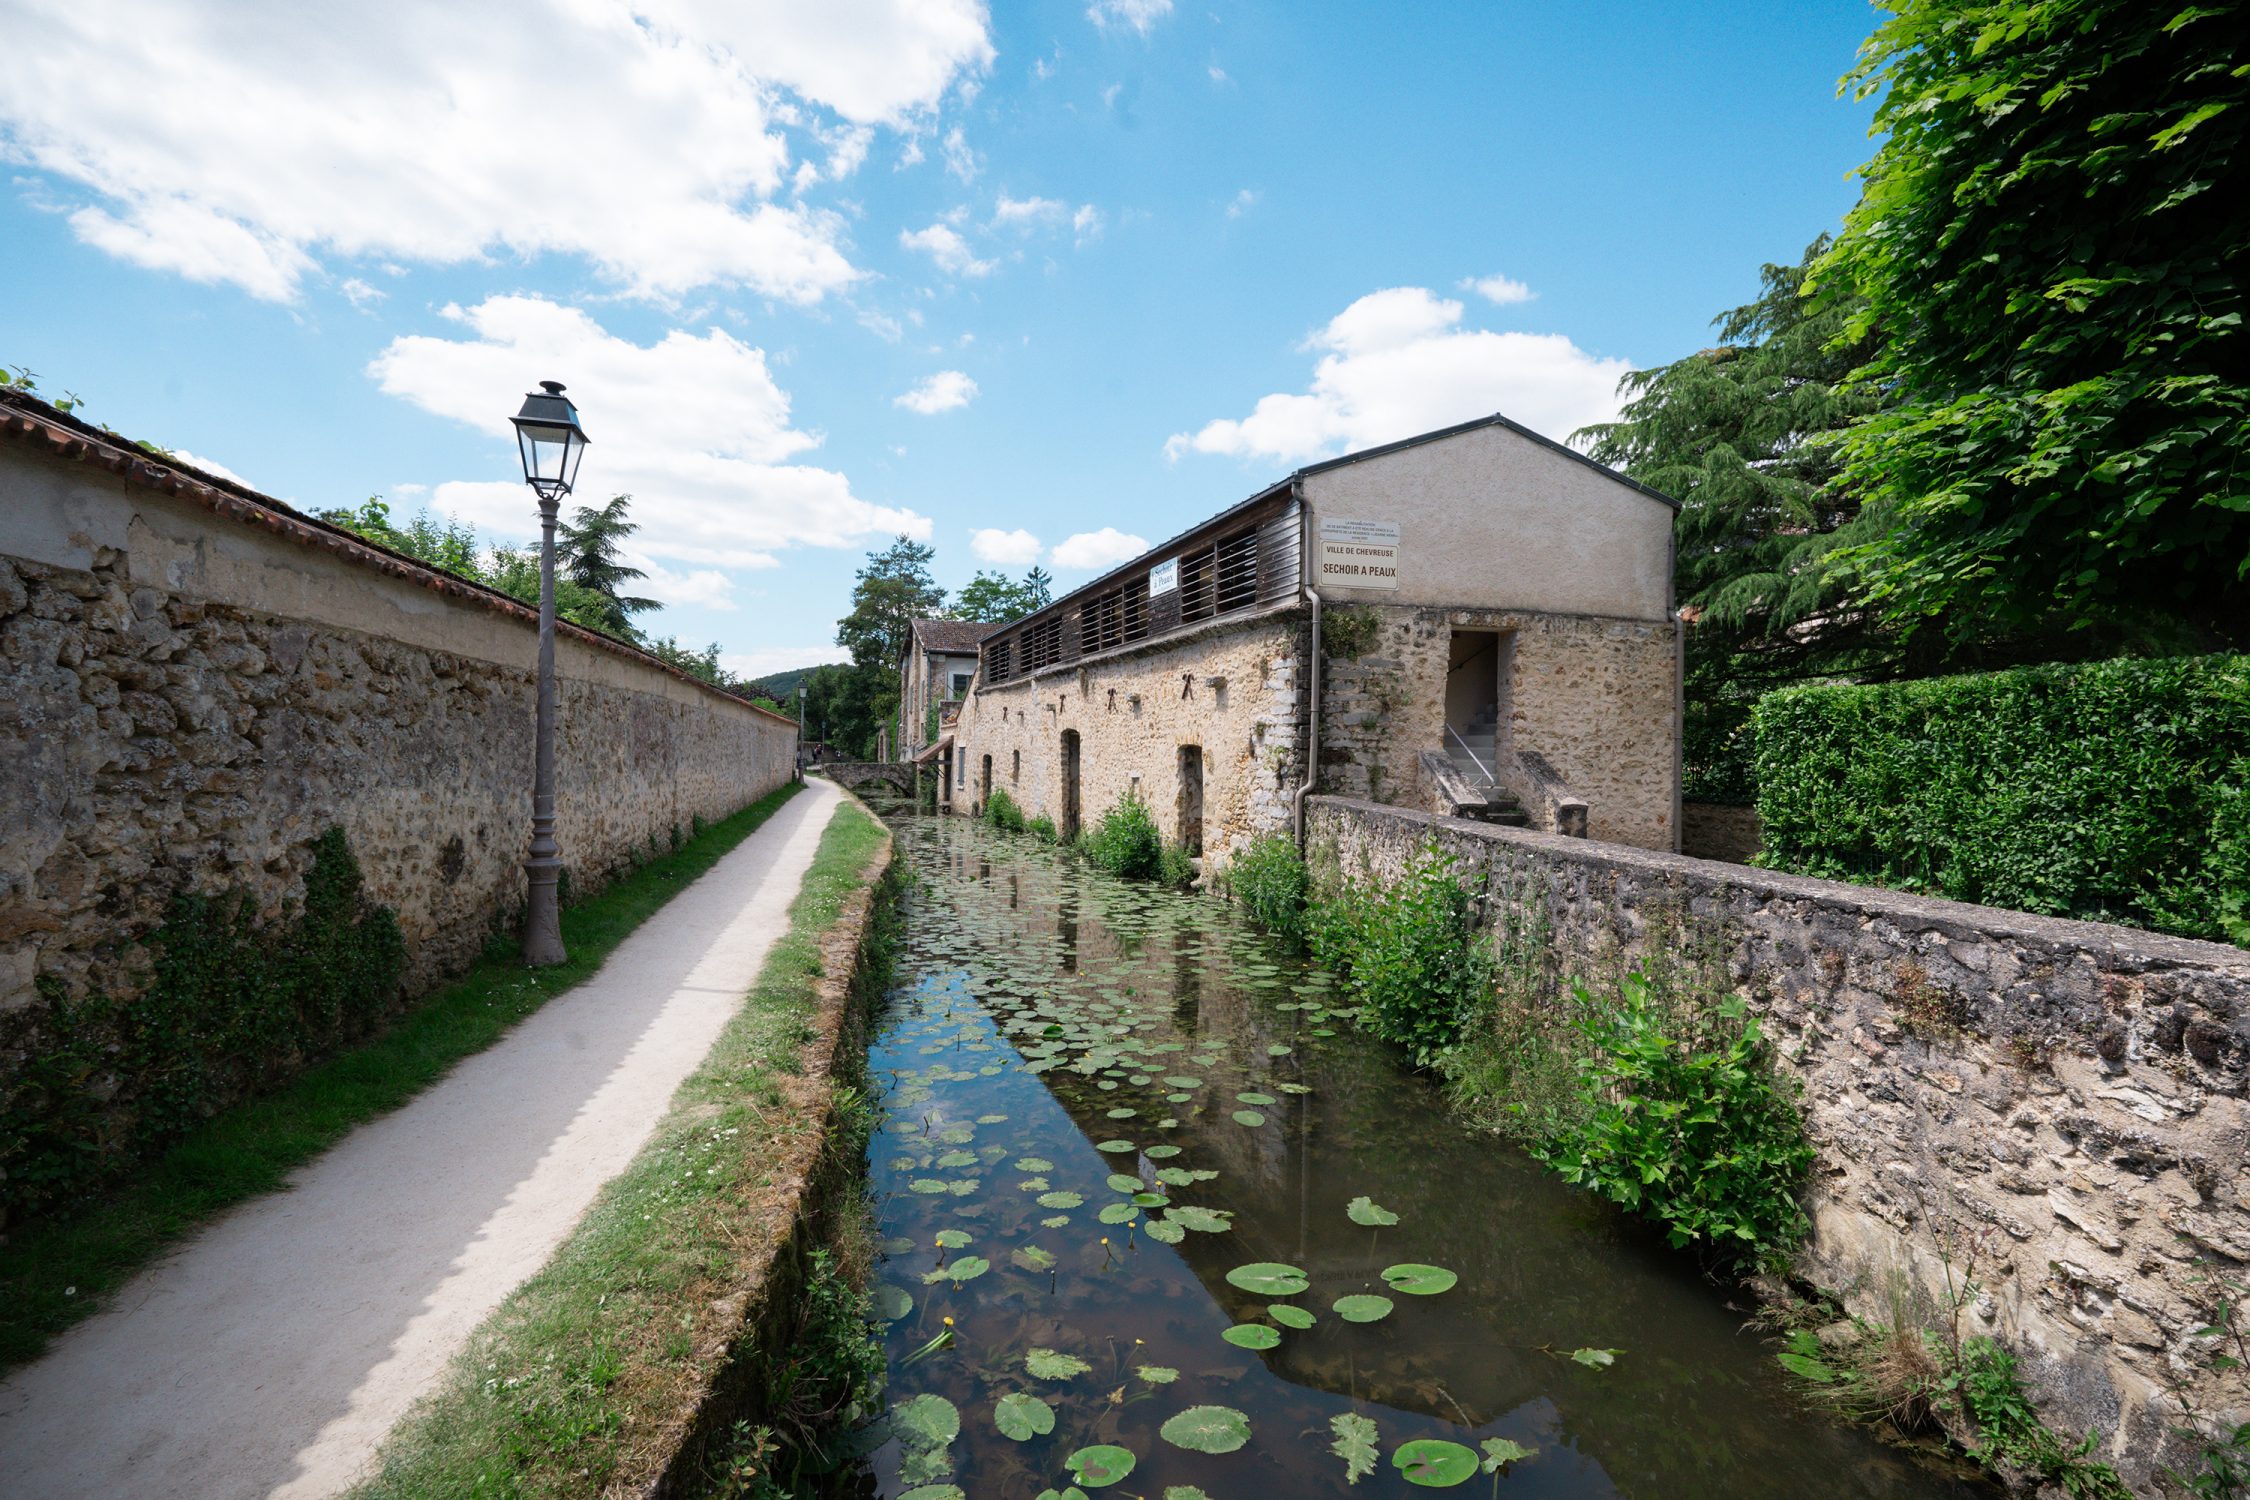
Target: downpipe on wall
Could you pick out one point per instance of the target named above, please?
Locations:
(1312, 659)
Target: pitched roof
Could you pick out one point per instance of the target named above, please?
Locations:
(959, 636)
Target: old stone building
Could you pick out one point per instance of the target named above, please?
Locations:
(1492, 617)
(935, 668)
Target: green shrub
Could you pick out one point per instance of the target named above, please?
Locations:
(1043, 829)
(1693, 1129)
(1410, 953)
(234, 1003)
(1001, 811)
(2115, 790)
(1991, 1393)
(1269, 879)
(1175, 867)
(1126, 841)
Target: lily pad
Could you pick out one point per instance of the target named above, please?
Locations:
(1251, 1336)
(1046, 1364)
(1290, 1316)
(1119, 1213)
(1063, 1199)
(1207, 1429)
(1596, 1359)
(934, 1492)
(957, 1159)
(1355, 1445)
(1120, 1183)
(1034, 1164)
(1268, 1278)
(1164, 1231)
(930, 1421)
(1365, 1210)
(1151, 1200)
(1158, 1153)
(1419, 1280)
(1500, 1451)
(926, 1185)
(1184, 1492)
(1255, 1098)
(1157, 1374)
(967, 1268)
(1104, 1463)
(1113, 1148)
(1435, 1463)
(892, 1302)
(1032, 1258)
(1362, 1308)
(951, 1239)
(1019, 1416)
(1205, 1220)
(1248, 1117)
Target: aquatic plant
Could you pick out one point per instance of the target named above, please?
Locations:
(1268, 880)
(1126, 842)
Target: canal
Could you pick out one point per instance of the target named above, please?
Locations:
(1157, 1221)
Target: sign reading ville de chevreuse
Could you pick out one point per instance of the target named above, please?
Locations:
(1358, 554)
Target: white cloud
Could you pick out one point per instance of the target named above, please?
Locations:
(408, 489)
(1138, 14)
(1218, 74)
(960, 161)
(211, 466)
(1240, 203)
(1025, 213)
(1396, 363)
(766, 660)
(1086, 224)
(947, 390)
(943, 243)
(250, 150)
(1018, 548)
(360, 294)
(694, 428)
(705, 586)
(1090, 551)
(1500, 289)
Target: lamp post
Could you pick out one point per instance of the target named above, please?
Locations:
(552, 443)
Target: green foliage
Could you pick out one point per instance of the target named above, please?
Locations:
(1043, 829)
(587, 547)
(1269, 879)
(1175, 867)
(1001, 811)
(996, 598)
(2224, 1470)
(1991, 1394)
(1688, 1125)
(1410, 953)
(234, 1003)
(1349, 632)
(1126, 841)
(2114, 790)
(2048, 245)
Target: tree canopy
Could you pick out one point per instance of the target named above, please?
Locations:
(587, 550)
(996, 598)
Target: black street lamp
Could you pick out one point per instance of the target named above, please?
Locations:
(552, 443)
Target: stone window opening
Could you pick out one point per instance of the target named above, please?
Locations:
(1015, 768)
(1190, 810)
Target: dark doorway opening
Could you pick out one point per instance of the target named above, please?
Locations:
(1191, 799)
(1473, 732)
(984, 784)
(1070, 785)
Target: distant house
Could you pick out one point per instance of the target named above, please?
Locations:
(1477, 621)
(934, 670)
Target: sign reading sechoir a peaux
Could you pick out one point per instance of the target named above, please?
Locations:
(1164, 577)
(1358, 554)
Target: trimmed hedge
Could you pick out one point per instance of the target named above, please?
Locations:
(2117, 790)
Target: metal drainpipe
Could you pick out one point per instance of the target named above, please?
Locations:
(1312, 717)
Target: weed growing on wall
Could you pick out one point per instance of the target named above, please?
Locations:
(1410, 952)
(1349, 632)
(1269, 880)
(1688, 1124)
(1515, 1071)
(1001, 811)
(235, 1003)
(1126, 841)
(1043, 829)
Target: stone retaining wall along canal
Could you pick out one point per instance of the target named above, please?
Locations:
(201, 681)
(2068, 1096)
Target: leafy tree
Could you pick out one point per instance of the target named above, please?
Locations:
(1038, 588)
(515, 571)
(588, 549)
(2049, 241)
(994, 598)
(894, 590)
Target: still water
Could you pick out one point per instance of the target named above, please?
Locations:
(1099, 1099)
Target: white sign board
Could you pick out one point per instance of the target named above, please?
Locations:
(1164, 577)
(1357, 555)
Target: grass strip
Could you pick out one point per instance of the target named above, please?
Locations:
(581, 1382)
(55, 1272)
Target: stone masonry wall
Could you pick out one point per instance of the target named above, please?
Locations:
(192, 700)
(2064, 1099)
(1594, 696)
(1248, 729)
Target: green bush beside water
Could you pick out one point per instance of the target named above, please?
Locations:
(1126, 841)
(2117, 791)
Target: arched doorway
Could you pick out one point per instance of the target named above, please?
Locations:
(1191, 798)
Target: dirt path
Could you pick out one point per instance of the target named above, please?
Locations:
(271, 1353)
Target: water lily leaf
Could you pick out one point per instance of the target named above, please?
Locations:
(951, 1239)
(1256, 1098)
(1033, 1185)
(1123, 1112)
(1596, 1359)
(1156, 1374)
(1034, 1164)
(1113, 1147)
(1019, 1416)
(1104, 1463)
(1032, 1258)
(1268, 1278)
(1184, 1492)
(1159, 1152)
(1072, 1493)
(1176, 1176)
(1119, 1213)
(962, 1187)
(1207, 1429)
(1251, 1336)
(1064, 1199)
(1150, 1200)
(967, 1268)
(1355, 1445)
(992, 1119)
(1054, 1221)
(934, 1492)
(1279, 1050)
(1248, 1117)
(1289, 1316)
(1500, 1451)
(1435, 1463)
(893, 1302)
(1419, 1280)
(927, 1421)
(1182, 1082)
(1120, 1183)
(957, 1159)
(1365, 1210)
(1164, 1231)
(1206, 1220)
(1046, 1364)
(1362, 1308)
(928, 1185)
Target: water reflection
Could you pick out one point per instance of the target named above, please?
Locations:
(1053, 1030)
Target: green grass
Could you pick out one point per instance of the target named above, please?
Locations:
(55, 1272)
(567, 1389)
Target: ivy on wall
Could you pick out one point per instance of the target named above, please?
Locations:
(234, 1004)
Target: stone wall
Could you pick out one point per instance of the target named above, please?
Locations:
(1594, 696)
(202, 682)
(2064, 1099)
(1229, 688)
(1719, 830)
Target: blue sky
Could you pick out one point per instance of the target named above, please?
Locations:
(1033, 281)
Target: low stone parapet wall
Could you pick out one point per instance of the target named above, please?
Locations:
(2064, 1101)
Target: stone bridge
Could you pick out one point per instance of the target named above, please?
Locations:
(898, 775)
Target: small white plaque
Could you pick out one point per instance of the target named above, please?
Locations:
(1358, 555)
(1164, 577)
